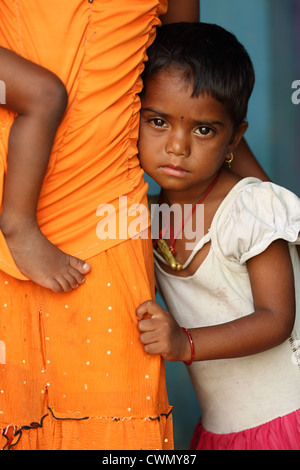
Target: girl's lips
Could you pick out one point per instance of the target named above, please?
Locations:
(174, 170)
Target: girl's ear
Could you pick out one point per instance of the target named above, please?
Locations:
(237, 136)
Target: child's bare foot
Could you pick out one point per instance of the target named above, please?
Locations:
(42, 262)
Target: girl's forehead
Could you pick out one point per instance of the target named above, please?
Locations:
(170, 76)
(168, 89)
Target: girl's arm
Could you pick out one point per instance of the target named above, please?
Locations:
(179, 10)
(268, 326)
(245, 164)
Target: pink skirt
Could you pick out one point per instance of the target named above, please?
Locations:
(282, 433)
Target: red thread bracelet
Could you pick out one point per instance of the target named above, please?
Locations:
(192, 347)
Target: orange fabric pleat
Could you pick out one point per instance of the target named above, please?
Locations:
(75, 374)
(98, 50)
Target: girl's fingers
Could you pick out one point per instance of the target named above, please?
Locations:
(153, 348)
(148, 307)
(146, 325)
(148, 337)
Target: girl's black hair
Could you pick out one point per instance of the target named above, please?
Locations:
(209, 56)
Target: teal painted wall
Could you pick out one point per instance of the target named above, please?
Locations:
(267, 28)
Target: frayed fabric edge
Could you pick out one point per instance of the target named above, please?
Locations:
(13, 433)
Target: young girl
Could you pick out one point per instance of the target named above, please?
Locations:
(235, 320)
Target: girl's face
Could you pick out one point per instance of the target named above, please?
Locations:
(183, 140)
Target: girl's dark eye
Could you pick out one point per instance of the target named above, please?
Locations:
(203, 130)
(158, 122)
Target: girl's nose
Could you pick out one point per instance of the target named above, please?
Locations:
(178, 144)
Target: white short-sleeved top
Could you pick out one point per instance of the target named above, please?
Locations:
(240, 393)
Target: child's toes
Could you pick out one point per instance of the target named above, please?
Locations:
(77, 276)
(82, 266)
(56, 285)
(70, 281)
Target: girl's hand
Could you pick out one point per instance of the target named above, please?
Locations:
(161, 334)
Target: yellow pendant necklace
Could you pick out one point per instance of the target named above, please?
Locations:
(168, 251)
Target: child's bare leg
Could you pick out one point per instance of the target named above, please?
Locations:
(40, 100)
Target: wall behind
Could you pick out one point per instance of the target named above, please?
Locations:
(267, 28)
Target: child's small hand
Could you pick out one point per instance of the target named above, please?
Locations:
(161, 334)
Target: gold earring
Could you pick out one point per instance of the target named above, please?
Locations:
(229, 160)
